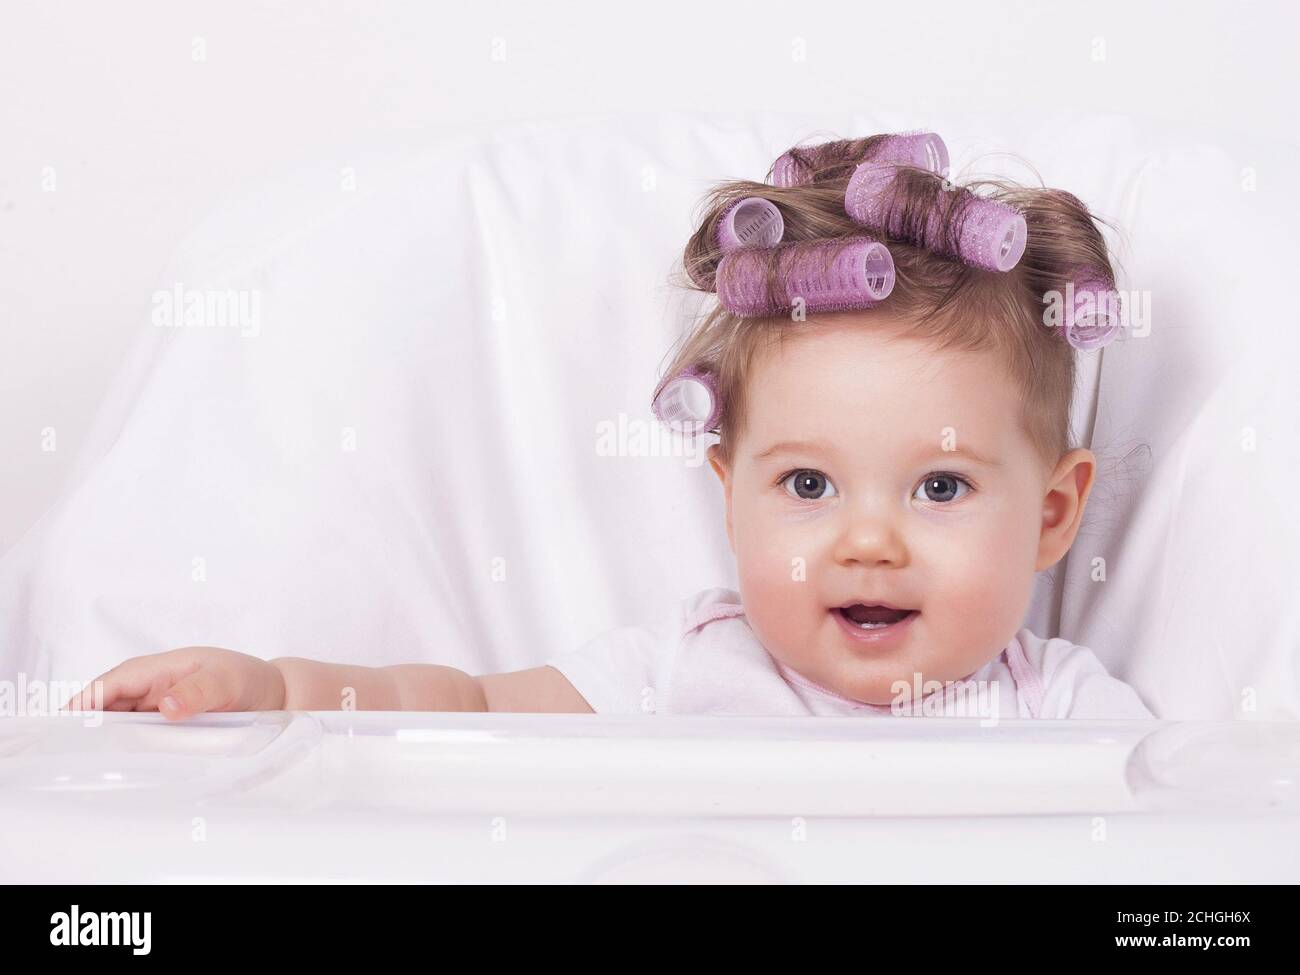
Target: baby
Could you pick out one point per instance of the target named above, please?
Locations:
(891, 386)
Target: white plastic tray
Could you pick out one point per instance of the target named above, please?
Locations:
(325, 796)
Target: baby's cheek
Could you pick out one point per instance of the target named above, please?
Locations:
(773, 570)
(979, 595)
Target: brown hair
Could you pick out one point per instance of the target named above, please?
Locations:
(937, 298)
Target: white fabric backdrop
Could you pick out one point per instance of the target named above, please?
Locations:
(402, 463)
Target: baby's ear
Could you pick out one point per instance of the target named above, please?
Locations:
(724, 475)
(1067, 496)
(715, 461)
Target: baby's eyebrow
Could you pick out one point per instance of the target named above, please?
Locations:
(964, 452)
(929, 450)
(793, 446)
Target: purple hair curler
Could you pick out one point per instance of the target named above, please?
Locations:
(828, 275)
(689, 402)
(924, 150)
(991, 235)
(751, 221)
(1092, 311)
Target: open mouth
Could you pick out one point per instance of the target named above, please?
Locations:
(874, 617)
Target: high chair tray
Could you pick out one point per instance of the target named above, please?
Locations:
(277, 796)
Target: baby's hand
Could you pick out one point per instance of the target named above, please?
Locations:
(185, 682)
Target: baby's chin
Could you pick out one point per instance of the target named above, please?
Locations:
(866, 680)
(881, 690)
(885, 684)
(893, 668)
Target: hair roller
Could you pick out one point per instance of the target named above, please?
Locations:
(1092, 310)
(801, 165)
(689, 402)
(988, 234)
(750, 221)
(827, 275)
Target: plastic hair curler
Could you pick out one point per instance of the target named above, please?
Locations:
(924, 150)
(827, 275)
(1092, 311)
(689, 402)
(991, 235)
(750, 222)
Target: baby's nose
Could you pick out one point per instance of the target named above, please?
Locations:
(871, 538)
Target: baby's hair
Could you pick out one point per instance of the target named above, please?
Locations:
(937, 298)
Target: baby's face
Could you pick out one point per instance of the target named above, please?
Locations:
(877, 470)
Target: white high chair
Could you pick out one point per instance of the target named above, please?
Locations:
(398, 463)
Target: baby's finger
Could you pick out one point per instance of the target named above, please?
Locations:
(207, 689)
(127, 682)
(99, 695)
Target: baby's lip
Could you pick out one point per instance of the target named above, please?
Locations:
(875, 604)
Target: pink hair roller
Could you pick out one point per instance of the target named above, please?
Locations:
(828, 275)
(992, 235)
(750, 222)
(924, 150)
(689, 402)
(1092, 311)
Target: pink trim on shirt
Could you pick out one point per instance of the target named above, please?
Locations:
(794, 677)
(1023, 674)
(718, 611)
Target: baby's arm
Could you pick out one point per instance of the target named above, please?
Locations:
(193, 680)
(311, 685)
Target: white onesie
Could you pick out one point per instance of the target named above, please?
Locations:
(704, 659)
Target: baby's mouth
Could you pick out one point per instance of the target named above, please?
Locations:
(873, 617)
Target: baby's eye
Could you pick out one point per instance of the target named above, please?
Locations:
(808, 485)
(942, 488)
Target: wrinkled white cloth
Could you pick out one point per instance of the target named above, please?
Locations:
(435, 443)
